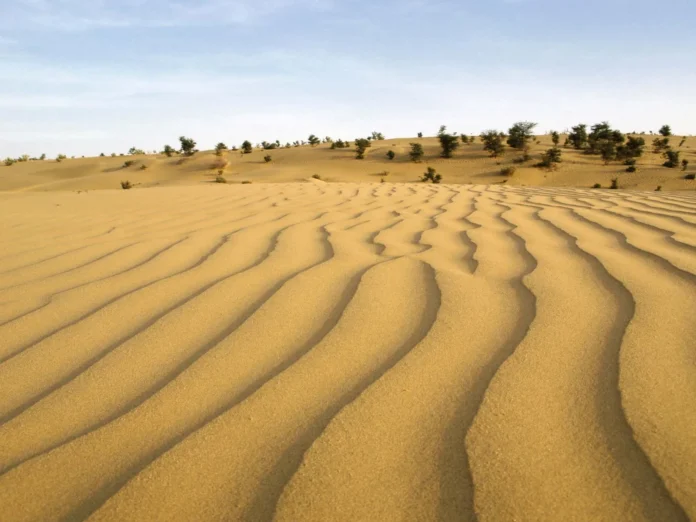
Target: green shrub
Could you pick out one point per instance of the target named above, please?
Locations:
(125, 185)
(247, 147)
(493, 142)
(448, 142)
(416, 153)
(361, 145)
(555, 138)
(313, 140)
(690, 176)
(596, 185)
(420, 134)
(391, 155)
(665, 130)
(520, 134)
(168, 151)
(550, 158)
(220, 148)
(377, 136)
(508, 171)
(672, 157)
(267, 158)
(188, 146)
(128, 164)
(578, 136)
(135, 151)
(246, 182)
(660, 145)
(432, 176)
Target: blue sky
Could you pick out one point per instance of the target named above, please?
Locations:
(89, 76)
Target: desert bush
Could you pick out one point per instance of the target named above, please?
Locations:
(420, 134)
(220, 148)
(448, 142)
(247, 147)
(361, 145)
(42, 157)
(9, 162)
(690, 176)
(432, 176)
(61, 157)
(220, 179)
(269, 146)
(508, 171)
(377, 136)
(102, 155)
(125, 185)
(614, 183)
(685, 164)
(113, 154)
(578, 136)
(128, 164)
(313, 140)
(633, 148)
(550, 158)
(520, 134)
(246, 182)
(493, 142)
(133, 151)
(660, 145)
(168, 151)
(416, 153)
(267, 158)
(659, 188)
(665, 130)
(631, 169)
(391, 155)
(596, 185)
(555, 138)
(604, 140)
(188, 146)
(143, 167)
(316, 176)
(672, 157)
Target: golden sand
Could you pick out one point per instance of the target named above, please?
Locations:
(373, 351)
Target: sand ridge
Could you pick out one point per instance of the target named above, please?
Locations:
(314, 351)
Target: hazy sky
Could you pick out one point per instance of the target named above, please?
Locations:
(89, 76)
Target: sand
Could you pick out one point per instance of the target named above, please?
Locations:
(346, 351)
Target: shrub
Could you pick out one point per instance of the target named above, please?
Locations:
(420, 134)
(361, 145)
(508, 171)
(42, 157)
(416, 153)
(128, 164)
(61, 157)
(631, 169)
(578, 136)
(134, 151)
(604, 140)
(316, 176)
(269, 146)
(665, 130)
(432, 176)
(596, 185)
(113, 154)
(659, 188)
(220, 148)
(685, 164)
(168, 151)
(9, 162)
(125, 185)
(690, 176)
(555, 138)
(448, 142)
(220, 179)
(493, 142)
(633, 148)
(672, 157)
(267, 158)
(660, 145)
(682, 142)
(377, 136)
(246, 182)
(247, 148)
(102, 155)
(313, 140)
(614, 183)
(519, 134)
(391, 155)
(188, 146)
(550, 158)
(143, 167)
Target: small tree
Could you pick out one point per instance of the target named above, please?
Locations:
(633, 148)
(220, 148)
(672, 157)
(188, 146)
(614, 183)
(247, 147)
(493, 142)
(665, 130)
(416, 153)
(555, 138)
(432, 176)
(578, 136)
(448, 142)
(391, 155)
(361, 145)
(685, 164)
(9, 161)
(267, 158)
(608, 152)
(168, 151)
(420, 134)
(660, 145)
(134, 151)
(601, 136)
(313, 140)
(377, 136)
(61, 157)
(520, 134)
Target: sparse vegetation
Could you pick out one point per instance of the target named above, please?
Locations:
(125, 185)
(614, 183)
(659, 188)
(61, 157)
(316, 176)
(508, 171)
(143, 167)
(660, 145)
(420, 134)
(247, 147)
(42, 157)
(555, 138)
(267, 158)
(685, 164)
(690, 176)
(550, 158)
(633, 148)
(416, 153)
(448, 142)
(313, 140)
(432, 176)
(520, 134)
(665, 130)
(596, 185)
(220, 179)
(168, 151)
(493, 142)
(377, 136)
(391, 155)
(578, 136)
(128, 164)
(133, 151)
(220, 148)
(9, 162)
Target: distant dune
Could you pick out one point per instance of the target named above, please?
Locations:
(345, 351)
(470, 164)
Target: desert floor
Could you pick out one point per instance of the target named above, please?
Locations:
(336, 351)
(470, 164)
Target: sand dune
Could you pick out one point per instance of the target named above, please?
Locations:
(376, 351)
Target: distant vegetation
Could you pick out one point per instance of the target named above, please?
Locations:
(416, 153)
(448, 142)
(361, 146)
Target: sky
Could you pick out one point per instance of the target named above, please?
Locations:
(81, 77)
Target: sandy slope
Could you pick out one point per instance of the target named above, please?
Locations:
(470, 164)
(312, 351)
